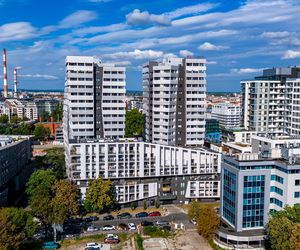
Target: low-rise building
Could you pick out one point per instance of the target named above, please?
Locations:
(145, 171)
(15, 153)
(237, 135)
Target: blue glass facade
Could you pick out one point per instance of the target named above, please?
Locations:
(229, 193)
(253, 201)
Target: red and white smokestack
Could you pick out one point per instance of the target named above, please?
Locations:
(5, 86)
(15, 82)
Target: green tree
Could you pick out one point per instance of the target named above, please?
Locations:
(145, 205)
(40, 179)
(16, 225)
(10, 237)
(207, 222)
(4, 118)
(206, 218)
(65, 200)
(45, 116)
(55, 158)
(22, 129)
(39, 190)
(134, 123)
(57, 112)
(41, 133)
(283, 228)
(99, 195)
(193, 211)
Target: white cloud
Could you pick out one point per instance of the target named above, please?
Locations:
(185, 53)
(121, 63)
(276, 34)
(137, 54)
(209, 46)
(77, 18)
(246, 70)
(189, 10)
(211, 62)
(291, 54)
(16, 31)
(145, 18)
(47, 77)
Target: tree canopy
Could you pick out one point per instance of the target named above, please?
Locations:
(99, 195)
(134, 123)
(55, 158)
(41, 133)
(16, 225)
(51, 200)
(206, 218)
(283, 229)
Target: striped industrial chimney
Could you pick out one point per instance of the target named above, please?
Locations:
(5, 86)
(15, 83)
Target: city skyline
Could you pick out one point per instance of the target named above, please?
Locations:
(238, 38)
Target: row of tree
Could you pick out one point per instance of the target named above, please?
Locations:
(20, 127)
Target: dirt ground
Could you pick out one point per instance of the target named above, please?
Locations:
(188, 240)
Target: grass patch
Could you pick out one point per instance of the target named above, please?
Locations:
(83, 239)
(186, 207)
(138, 241)
(156, 232)
(99, 238)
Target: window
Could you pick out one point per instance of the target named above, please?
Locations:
(276, 190)
(297, 182)
(297, 195)
(277, 178)
(276, 202)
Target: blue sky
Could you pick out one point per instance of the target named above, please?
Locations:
(238, 38)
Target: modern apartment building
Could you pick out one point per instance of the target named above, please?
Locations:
(271, 102)
(94, 105)
(146, 171)
(228, 114)
(253, 186)
(174, 97)
(15, 153)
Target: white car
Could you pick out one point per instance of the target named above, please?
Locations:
(131, 226)
(108, 228)
(112, 236)
(92, 229)
(92, 244)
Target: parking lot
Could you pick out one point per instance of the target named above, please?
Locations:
(173, 215)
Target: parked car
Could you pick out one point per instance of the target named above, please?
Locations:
(131, 226)
(114, 236)
(123, 226)
(108, 217)
(108, 228)
(141, 215)
(50, 245)
(92, 245)
(91, 218)
(155, 213)
(162, 223)
(111, 239)
(92, 229)
(146, 223)
(124, 216)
